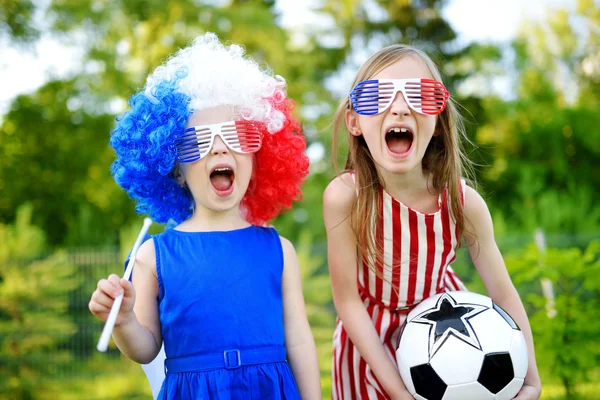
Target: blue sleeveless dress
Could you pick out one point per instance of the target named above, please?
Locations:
(220, 306)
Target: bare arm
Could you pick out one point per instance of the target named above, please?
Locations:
(490, 265)
(299, 342)
(137, 331)
(338, 200)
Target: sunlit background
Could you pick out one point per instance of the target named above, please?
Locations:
(526, 72)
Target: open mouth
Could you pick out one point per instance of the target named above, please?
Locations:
(221, 178)
(399, 140)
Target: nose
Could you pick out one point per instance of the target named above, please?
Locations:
(399, 105)
(219, 147)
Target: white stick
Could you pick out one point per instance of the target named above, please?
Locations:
(114, 311)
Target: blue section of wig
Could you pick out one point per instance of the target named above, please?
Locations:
(144, 142)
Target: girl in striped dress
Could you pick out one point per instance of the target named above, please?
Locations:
(395, 218)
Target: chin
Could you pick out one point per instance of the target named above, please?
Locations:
(400, 166)
(225, 205)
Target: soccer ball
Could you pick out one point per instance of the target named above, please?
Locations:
(461, 346)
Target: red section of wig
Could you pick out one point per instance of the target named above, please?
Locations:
(280, 169)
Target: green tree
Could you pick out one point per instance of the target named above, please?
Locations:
(566, 339)
(34, 318)
(56, 158)
(16, 21)
(544, 146)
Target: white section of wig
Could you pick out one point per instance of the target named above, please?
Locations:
(223, 75)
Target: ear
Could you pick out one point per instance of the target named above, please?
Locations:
(352, 123)
(178, 175)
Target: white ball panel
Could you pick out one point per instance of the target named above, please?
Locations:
(405, 374)
(510, 390)
(494, 334)
(467, 391)
(464, 296)
(418, 397)
(518, 354)
(457, 362)
(413, 347)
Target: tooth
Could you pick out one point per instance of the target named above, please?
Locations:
(403, 130)
(397, 130)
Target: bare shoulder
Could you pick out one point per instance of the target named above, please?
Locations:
(291, 264)
(475, 206)
(145, 258)
(338, 198)
(477, 215)
(287, 246)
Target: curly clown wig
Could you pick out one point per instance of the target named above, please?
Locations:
(203, 75)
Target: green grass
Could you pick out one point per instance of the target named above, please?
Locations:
(585, 391)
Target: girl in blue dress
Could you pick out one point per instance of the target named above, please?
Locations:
(210, 146)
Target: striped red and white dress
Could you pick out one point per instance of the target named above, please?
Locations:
(420, 248)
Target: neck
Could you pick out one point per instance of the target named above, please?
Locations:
(205, 219)
(409, 183)
(413, 189)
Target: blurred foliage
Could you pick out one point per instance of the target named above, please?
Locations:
(55, 157)
(47, 333)
(16, 21)
(544, 147)
(538, 149)
(34, 319)
(319, 304)
(566, 330)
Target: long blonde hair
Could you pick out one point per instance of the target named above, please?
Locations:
(444, 158)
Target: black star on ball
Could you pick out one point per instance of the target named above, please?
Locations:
(450, 318)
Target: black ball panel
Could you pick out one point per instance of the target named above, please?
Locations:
(427, 382)
(496, 371)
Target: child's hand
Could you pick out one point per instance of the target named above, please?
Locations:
(528, 392)
(104, 297)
